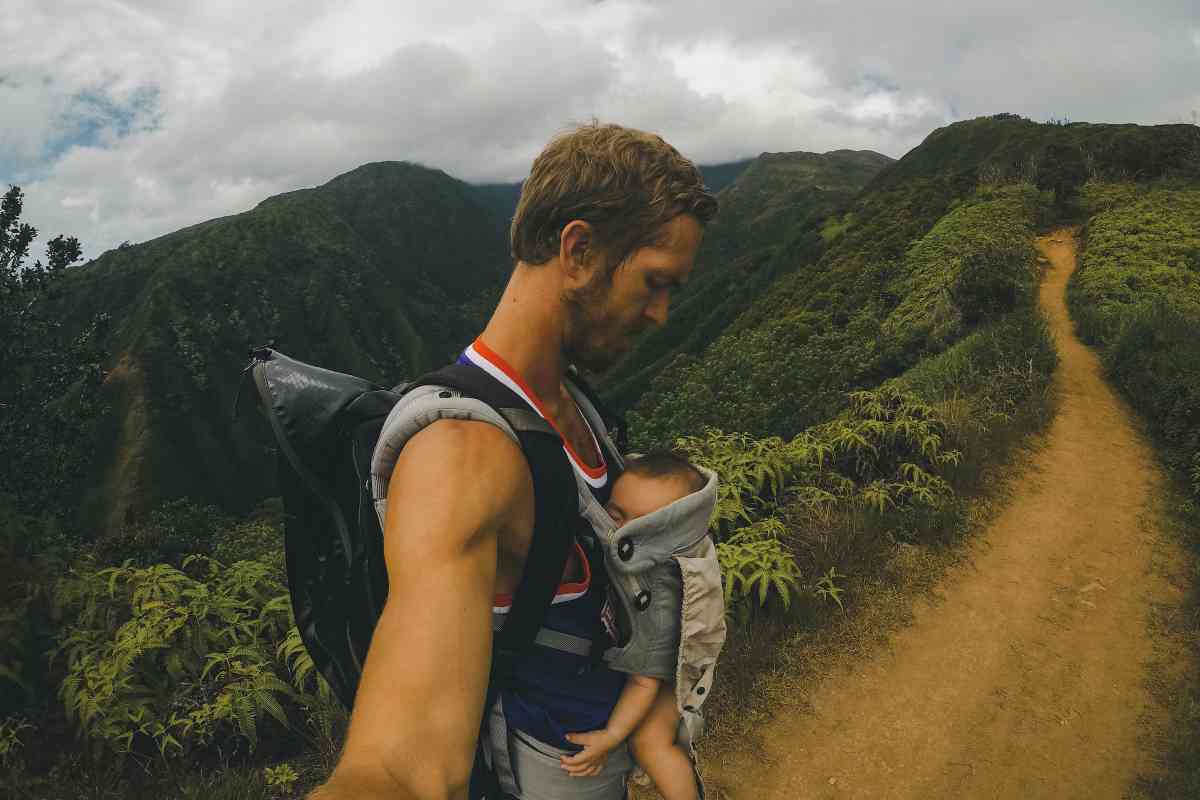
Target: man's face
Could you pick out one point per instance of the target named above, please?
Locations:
(608, 311)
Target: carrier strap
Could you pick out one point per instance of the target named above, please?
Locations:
(556, 511)
(555, 640)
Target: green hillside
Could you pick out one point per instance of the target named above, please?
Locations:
(383, 272)
(1005, 146)
(938, 244)
(379, 272)
(1136, 297)
(769, 222)
(788, 362)
(860, 332)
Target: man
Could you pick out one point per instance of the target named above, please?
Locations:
(609, 223)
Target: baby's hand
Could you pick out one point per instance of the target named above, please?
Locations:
(591, 759)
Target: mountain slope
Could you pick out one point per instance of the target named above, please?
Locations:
(379, 273)
(937, 244)
(769, 223)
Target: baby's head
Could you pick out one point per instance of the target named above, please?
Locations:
(650, 482)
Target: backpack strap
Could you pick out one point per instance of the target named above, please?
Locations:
(556, 508)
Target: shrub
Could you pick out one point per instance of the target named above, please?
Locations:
(882, 457)
(11, 742)
(176, 659)
(1137, 296)
(754, 564)
(251, 539)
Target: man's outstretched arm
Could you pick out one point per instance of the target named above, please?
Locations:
(417, 713)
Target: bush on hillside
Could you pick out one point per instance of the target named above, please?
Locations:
(1155, 360)
(883, 458)
(992, 283)
(180, 660)
(1001, 364)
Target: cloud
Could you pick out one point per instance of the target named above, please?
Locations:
(126, 120)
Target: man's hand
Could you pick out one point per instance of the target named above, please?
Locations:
(589, 761)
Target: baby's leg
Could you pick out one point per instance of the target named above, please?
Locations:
(654, 749)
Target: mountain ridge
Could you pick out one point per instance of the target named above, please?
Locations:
(388, 269)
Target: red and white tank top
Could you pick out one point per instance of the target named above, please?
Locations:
(482, 356)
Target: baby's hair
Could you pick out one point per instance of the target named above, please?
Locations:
(666, 464)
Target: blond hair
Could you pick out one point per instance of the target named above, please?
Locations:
(626, 183)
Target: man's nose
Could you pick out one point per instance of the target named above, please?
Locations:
(659, 309)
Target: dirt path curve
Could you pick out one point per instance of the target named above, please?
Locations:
(1026, 680)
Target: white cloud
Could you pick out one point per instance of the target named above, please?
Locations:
(126, 120)
(765, 81)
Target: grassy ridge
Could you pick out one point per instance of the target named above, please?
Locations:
(768, 225)
(854, 322)
(1136, 296)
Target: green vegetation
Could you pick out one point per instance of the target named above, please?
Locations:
(379, 273)
(1176, 629)
(883, 457)
(852, 322)
(185, 666)
(49, 382)
(769, 224)
(175, 660)
(1136, 296)
(854, 362)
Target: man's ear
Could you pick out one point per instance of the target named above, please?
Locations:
(577, 252)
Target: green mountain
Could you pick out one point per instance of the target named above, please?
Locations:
(823, 272)
(770, 222)
(937, 247)
(383, 272)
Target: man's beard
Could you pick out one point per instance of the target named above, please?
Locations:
(585, 314)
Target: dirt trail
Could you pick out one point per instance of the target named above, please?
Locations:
(1026, 679)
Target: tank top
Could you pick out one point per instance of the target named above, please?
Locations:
(552, 693)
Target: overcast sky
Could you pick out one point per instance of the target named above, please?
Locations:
(127, 120)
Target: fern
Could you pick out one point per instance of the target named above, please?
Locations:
(175, 659)
(754, 563)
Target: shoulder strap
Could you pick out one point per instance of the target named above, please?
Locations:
(556, 511)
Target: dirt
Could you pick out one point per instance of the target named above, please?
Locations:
(1025, 675)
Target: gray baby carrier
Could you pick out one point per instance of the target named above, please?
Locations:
(662, 568)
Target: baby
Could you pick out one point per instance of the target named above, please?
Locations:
(645, 713)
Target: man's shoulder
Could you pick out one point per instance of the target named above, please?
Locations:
(468, 452)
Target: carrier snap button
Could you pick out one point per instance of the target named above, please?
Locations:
(625, 549)
(643, 600)
(699, 690)
(689, 708)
